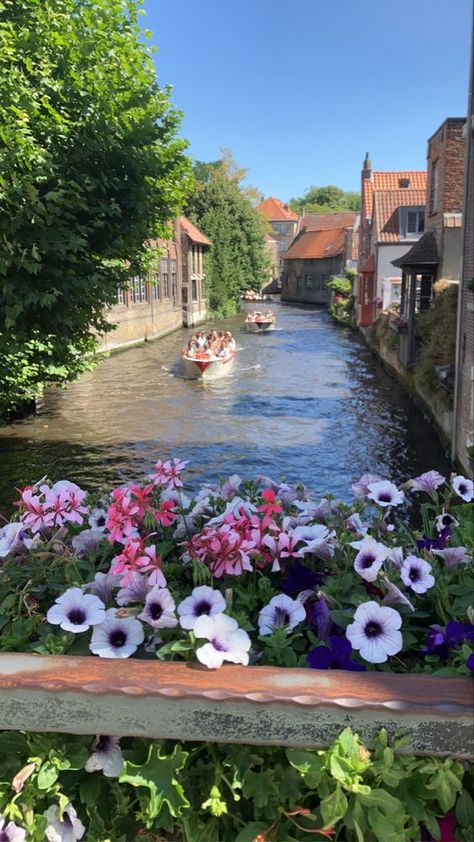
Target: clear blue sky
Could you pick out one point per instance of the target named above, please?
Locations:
(300, 90)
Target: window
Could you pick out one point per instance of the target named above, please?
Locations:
(308, 282)
(279, 227)
(138, 290)
(415, 222)
(174, 285)
(282, 245)
(184, 294)
(120, 296)
(155, 290)
(434, 187)
(194, 290)
(299, 283)
(165, 278)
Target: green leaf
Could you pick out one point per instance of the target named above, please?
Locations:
(261, 787)
(251, 831)
(465, 809)
(333, 808)
(47, 775)
(159, 776)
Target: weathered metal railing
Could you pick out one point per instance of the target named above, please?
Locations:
(255, 705)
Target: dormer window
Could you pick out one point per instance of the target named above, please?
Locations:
(404, 183)
(415, 222)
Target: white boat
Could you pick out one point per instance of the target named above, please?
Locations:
(208, 367)
(262, 324)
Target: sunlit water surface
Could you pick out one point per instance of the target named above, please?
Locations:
(307, 402)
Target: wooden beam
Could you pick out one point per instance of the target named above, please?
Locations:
(253, 705)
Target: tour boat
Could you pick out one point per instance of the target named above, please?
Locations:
(207, 366)
(261, 324)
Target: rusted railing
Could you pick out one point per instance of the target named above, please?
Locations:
(256, 705)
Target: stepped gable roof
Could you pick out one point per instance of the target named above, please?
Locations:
(194, 234)
(386, 215)
(317, 244)
(379, 180)
(275, 211)
(422, 253)
(326, 221)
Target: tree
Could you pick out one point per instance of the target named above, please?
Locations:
(326, 200)
(236, 260)
(90, 169)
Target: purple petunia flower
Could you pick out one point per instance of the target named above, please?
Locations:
(300, 578)
(337, 655)
(135, 590)
(428, 482)
(321, 618)
(457, 633)
(470, 662)
(453, 556)
(361, 487)
(427, 543)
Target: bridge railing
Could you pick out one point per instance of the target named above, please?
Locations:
(252, 705)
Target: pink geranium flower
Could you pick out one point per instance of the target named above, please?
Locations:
(167, 474)
(270, 507)
(281, 546)
(136, 558)
(36, 515)
(122, 516)
(166, 514)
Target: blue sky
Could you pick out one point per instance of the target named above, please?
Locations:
(300, 90)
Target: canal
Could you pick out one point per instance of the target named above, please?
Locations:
(308, 402)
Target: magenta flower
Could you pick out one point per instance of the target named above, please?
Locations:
(416, 573)
(135, 557)
(463, 487)
(370, 558)
(270, 507)
(281, 546)
(375, 632)
(36, 515)
(122, 515)
(428, 482)
(167, 474)
(385, 494)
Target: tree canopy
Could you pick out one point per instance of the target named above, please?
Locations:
(90, 168)
(224, 212)
(326, 199)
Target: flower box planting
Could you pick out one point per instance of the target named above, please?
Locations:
(290, 661)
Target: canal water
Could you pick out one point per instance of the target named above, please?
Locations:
(307, 402)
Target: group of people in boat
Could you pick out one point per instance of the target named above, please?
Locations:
(214, 344)
(258, 316)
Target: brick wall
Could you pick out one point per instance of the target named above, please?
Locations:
(446, 149)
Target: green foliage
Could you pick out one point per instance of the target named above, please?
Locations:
(346, 792)
(325, 200)
(436, 331)
(236, 260)
(90, 167)
(341, 306)
(340, 286)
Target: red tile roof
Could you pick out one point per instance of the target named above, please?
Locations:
(390, 181)
(316, 244)
(326, 221)
(275, 211)
(386, 214)
(193, 233)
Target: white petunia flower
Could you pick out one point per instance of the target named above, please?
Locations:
(445, 520)
(463, 487)
(375, 632)
(106, 757)
(370, 558)
(316, 538)
(226, 641)
(281, 612)
(103, 586)
(428, 482)
(87, 541)
(395, 555)
(76, 611)
(135, 590)
(395, 596)
(385, 494)
(361, 487)
(203, 600)
(159, 609)
(11, 832)
(416, 573)
(67, 829)
(98, 518)
(116, 637)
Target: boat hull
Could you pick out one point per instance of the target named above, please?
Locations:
(259, 327)
(208, 369)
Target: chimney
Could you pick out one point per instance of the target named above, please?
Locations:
(367, 167)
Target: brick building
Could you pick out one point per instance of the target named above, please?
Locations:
(314, 257)
(392, 217)
(463, 421)
(438, 253)
(283, 223)
(169, 296)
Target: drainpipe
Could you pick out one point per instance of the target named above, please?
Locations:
(461, 294)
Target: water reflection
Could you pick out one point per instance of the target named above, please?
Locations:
(307, 402)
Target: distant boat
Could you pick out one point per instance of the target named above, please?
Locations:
(207, 366)
(260, 323)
